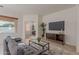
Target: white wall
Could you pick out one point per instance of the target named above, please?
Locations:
(69, 16)
(20, 27)
(77, 6)
(30, 19)
(39, 27)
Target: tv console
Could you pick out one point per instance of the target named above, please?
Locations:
(57, 37)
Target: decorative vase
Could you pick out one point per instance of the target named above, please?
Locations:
(39, 39)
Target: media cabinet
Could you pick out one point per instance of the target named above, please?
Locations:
(57, 37)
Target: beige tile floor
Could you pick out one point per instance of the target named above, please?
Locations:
(57, 48)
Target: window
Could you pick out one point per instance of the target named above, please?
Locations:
(7, 26)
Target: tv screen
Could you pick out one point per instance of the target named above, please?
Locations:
(59, 25)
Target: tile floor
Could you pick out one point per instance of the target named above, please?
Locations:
(58, 49)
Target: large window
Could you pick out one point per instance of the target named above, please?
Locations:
(7, 26)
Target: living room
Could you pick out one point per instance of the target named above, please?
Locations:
(29, 18)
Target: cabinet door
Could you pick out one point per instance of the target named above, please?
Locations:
(51, 36)
(60, 37)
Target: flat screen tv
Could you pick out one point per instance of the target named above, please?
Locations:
(59, 25)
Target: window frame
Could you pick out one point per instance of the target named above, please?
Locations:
(10, 19)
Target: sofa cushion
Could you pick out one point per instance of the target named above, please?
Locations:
(5, 43)
(18, 40)
(12, 47)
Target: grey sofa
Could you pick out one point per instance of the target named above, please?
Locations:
(17, 47)
(10, 46)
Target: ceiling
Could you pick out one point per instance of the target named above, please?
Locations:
(42, 9)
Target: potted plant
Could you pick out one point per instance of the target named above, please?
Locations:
(43, 25)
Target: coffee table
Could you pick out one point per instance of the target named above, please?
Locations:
(44, 45)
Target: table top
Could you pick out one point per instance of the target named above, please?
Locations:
(41, 43)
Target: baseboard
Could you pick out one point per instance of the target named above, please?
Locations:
(70, 45)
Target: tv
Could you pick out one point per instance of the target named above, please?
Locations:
(58, 26)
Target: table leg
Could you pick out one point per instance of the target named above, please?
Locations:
(48, 47)
(29, 42)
